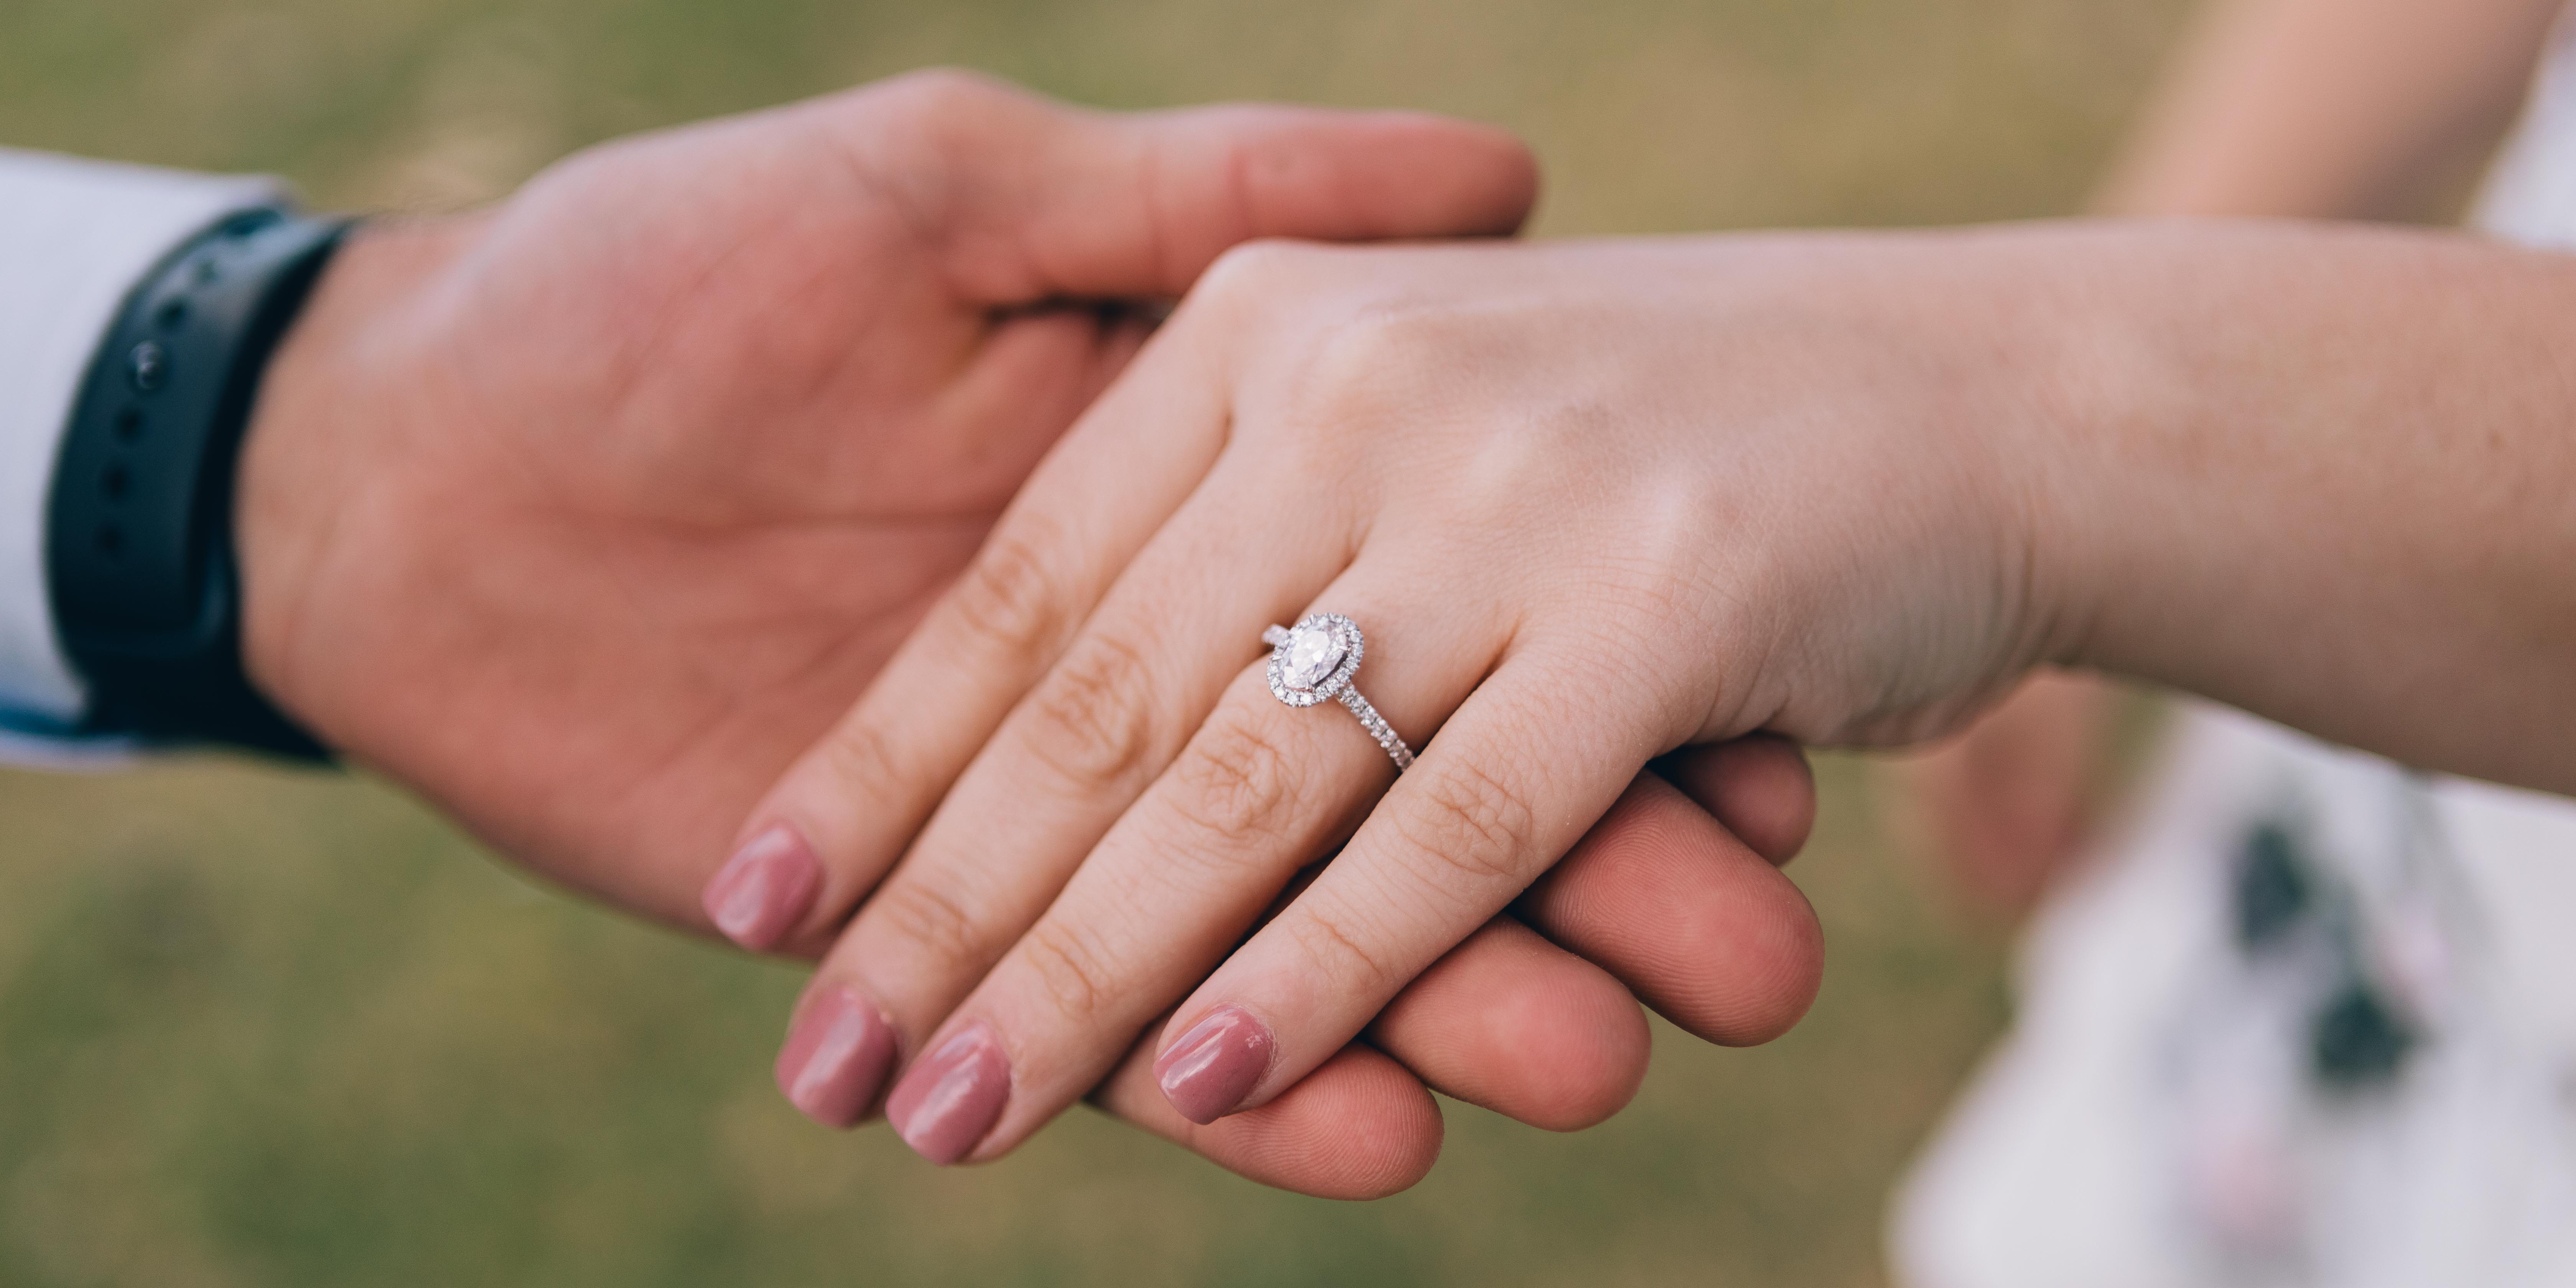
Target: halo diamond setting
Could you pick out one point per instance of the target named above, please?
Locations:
(1315, 660)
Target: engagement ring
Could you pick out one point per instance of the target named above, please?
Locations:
(1315, 660)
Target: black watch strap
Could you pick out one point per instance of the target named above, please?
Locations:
(139, 526)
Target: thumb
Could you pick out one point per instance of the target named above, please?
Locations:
(1035, 200)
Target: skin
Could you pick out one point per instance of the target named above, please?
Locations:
(582, 515)
(1847, 488)
(2327, 109)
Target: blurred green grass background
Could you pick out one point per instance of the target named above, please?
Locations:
(268, 1029)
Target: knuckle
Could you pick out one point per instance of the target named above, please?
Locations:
(935, 92)
(1072, 967)
(859, 758)
(1091, 720)
(1008, 600)
(1340, 951)
(1236, 779)
(1532, 448)
(1252, 285)
(1471, 821)
(1250, 273)
(931, 920)
(1367, 366)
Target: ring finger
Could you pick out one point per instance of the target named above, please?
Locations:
(1520, 1027)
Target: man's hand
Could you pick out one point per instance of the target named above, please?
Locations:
(584, 515)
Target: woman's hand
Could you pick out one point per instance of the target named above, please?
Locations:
(1594, 502)
(1588, 507)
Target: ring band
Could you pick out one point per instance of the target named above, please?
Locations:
(1315, 660)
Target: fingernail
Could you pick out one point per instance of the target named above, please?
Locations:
(765, 888)
(949, 1102)
(837, 1055)
(1215, 1065)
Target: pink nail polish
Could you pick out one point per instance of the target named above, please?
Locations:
(1208, 1072)
(837, 1055)
(765, 888)
(949, 1102)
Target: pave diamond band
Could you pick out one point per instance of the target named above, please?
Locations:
(1315, 660)
(1376, 725)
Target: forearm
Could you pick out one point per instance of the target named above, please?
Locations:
(2329, 108)
(2309, 108)
(2323, 474)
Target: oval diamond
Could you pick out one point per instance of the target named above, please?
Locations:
(1313, 651)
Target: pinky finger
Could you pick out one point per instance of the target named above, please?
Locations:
(1696, 924)
(1759, 786)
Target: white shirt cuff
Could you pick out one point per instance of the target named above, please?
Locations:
(75, 238)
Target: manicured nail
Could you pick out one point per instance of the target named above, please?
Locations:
(765, 888)
(947, 1104)
(1215, 1065)
(837, 1055)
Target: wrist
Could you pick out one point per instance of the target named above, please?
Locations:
(141, 569)
(2089, 376)
(325, 424)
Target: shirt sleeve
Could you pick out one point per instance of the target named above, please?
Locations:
(76, 237)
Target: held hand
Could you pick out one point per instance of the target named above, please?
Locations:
(1588, 503)
(1594, 502)
(584, 515)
